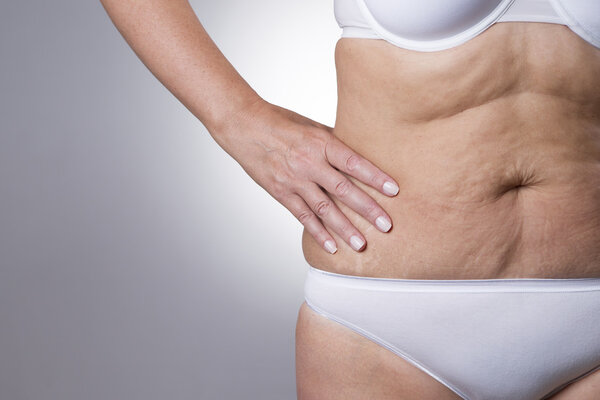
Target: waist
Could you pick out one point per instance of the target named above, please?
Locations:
(499, 177)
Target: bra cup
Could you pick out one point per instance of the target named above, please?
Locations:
(435, 25)
(582, 17)
(428, 20)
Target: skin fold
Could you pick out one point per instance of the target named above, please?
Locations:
(496, 148)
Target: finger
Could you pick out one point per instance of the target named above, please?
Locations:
(347, 160)
(311, 222)
(341, 187)
(324, 208)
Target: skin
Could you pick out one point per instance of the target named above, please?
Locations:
(295, 159)
(497, 159)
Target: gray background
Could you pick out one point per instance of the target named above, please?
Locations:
(137, 260)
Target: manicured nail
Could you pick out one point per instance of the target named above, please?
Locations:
(383, 223)
(390, 188)
(330, 246)
(356, 242)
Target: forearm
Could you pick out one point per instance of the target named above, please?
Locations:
(170, 40)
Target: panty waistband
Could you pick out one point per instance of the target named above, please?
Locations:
(454, 285)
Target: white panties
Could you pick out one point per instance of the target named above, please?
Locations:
(518, 339)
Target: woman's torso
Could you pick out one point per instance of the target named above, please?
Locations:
(495, 145)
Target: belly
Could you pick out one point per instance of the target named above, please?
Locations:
(495, 145)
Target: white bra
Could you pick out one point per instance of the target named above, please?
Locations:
(432, 25)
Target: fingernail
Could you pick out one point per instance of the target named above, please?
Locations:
(383, 223)
(356, 242)
(390, 188)
(330, 246)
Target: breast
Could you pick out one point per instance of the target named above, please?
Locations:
(432, 19)
(433, 25)
(496, 149)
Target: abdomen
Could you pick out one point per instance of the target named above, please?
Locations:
(495, 145)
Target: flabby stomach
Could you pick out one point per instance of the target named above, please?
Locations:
(473, 209)
(506, 185)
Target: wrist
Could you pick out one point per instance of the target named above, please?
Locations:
(226, 129)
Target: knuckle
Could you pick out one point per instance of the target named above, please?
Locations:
(346, 230)
(342, 188)
(282, 178)
(299, 152)
(300, 157)
(304, 216)
(320, 136)
(375, 178)
(320, 235)
(279, 191)
(352, 162)
(322, 207)
(371, 209)
(319, 144)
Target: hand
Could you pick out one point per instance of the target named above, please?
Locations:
(298, 161)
